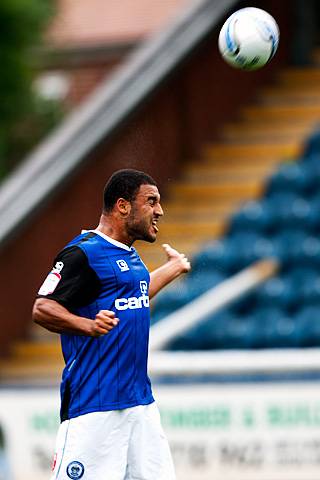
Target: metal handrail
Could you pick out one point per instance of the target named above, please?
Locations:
(211, 302)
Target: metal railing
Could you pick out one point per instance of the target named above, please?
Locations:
(210, 302)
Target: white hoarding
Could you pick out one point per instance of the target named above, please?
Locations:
(243, 432)
(253, 431)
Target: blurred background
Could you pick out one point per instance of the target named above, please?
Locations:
(88, 87)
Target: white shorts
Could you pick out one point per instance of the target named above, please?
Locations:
(124, 444)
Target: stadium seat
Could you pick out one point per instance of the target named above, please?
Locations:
(254, 216)
(293, 177)
(199, 282)
(312, 146)
(221, 331)
(278, 292)
(310, 251)
(183, 292)
(274, 328)
(244, 305)
(171, 299)
(308, 325)
(249, 247)
(285, 224)
(218, 255)
(208, 335)
(158, 314)
(314, 220)
(290, 211)
(287, 245)
(309, 291)
(240, 333)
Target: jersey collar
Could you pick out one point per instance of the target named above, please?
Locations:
(109, 239)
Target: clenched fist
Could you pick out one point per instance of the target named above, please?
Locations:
(104, 322)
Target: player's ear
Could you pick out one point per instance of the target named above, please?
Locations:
(123, 206)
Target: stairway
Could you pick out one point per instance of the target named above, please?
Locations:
(197, 206)
(234, 170)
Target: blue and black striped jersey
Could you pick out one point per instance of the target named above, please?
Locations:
(93, 273)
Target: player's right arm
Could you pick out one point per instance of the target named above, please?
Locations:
(72, 283)
(55, 317)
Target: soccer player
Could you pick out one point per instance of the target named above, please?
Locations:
(97, 297)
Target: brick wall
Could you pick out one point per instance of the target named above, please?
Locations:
(84, 22)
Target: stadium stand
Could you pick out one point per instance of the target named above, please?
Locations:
(205, 203)
(283, 224)
(265, 208)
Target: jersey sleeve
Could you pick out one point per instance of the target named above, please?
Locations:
(71, 282)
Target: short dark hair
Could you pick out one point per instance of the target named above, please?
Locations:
(124, 184)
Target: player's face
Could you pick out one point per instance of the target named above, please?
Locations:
(145, 213)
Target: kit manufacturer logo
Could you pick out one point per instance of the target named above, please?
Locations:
(122, 264)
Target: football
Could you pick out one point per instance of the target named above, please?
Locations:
(249, 38)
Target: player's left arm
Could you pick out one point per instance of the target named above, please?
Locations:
(176, 264)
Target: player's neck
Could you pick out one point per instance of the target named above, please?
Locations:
(110, 227)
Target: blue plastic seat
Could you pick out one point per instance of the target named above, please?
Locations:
(274, 328)
(250, 247)
(202, 280)
(158, 314)
(314, 219)
(285, 311)
(253, 216)
(227, 331)
(244, 305)
(312, 146)
(171, 299)
(293, 177)
(277, 292)
(294, 212)
(310, 251)
(240, 333)
(208, 335)
(308, 325)
(217, 255)
(288, 246)
(309, 291)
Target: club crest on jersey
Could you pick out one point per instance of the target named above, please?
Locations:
(122, 264)
(52, 280)
(75, 470)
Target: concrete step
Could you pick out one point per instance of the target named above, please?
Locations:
(15, 371)
(192, 227)
(271, 113)
(226, 152)
(290, 96)
(306, 76)
(274, 132)
(41, 334)
(37, 350)
(279, 90)
(316, 57)
(216, 173)
(221, 207)
(245, 161)
(210, 192)
(33, 362)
